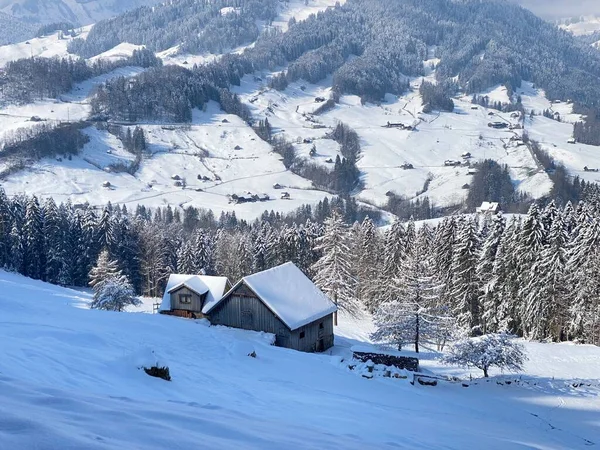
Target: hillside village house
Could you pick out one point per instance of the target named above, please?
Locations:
(190, 295)
(488, 207)
(282, 301)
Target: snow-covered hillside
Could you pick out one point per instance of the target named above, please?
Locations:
(46, 46)
(70, 378)
(207, 148)
(586, 25)
(74, 11)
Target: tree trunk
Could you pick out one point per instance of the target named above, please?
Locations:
(335, 315)
(417, 337)
(485, 372)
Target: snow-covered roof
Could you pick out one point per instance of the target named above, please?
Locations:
(488, 207)
(200, 284)
(289, 294)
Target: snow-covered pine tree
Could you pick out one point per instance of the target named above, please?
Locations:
(34, 255)
(186, 263)
(384, 289)
(15, 261)
(203, 252)
(114, 294)
(530, 245)
(52, 241)
(104, 269)
(466, 288)
(485, 273)
(583, 274)
(5, 228)
(504, 289)
(443, 245)
(260, 248)
(332, 270)
(367, 259)
(243, 256)
(545, 311)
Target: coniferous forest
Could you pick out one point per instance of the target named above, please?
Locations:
(535, 275)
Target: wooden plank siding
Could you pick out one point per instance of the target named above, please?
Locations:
(313, 333)
(194, 306)
(243, 309)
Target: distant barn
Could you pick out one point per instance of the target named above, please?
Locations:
(191, 295)
(282, 301)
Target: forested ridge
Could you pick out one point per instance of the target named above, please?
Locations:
(372, 47)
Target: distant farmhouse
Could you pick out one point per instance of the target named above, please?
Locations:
(281, 300)
(488, 207)
(190, 295)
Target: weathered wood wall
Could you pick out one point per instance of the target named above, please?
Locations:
(242, 309)
(197, 300)
(313, 333)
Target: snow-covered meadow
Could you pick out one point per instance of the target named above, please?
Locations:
(70, 378)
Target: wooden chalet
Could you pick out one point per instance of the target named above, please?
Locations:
(191, 295)
(282, 301)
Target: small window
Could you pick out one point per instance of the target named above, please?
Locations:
(185, 299)
(321, 326)
(302, 335)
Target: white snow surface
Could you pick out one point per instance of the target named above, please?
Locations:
(290, 294)
(200, 284)
(46, 46)
(70, 378)
(122, 51)
(588, 25)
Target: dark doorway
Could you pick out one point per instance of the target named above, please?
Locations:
(320, 345)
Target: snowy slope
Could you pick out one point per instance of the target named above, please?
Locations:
(588, 25)
(70, 378)
(439, 137)
(77, 12)
(46, 46)
(207, 148)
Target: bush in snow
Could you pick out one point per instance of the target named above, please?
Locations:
(114, 294)
(158, 372)
(492, 350)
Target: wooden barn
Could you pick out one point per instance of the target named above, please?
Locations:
(191, 295)
(282, 301)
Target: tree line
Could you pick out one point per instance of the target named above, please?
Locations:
(534, 275)
(29, 79)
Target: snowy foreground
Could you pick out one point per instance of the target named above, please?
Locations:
(69, 379)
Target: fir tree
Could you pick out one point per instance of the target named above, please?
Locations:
(332, 270)
(485, 273)
(114, 294)
(104, 269)
(465, 288)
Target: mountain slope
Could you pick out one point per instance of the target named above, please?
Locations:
(306, 76)
(14, 30)
(68, 374)
(74, 11)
